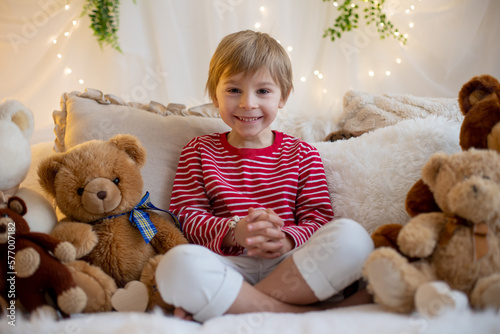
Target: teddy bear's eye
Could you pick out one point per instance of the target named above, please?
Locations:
(116, 180)
(486, 177)
(5, 215)
(79, 191)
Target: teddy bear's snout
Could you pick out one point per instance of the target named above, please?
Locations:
(101, 196)
(475, 196)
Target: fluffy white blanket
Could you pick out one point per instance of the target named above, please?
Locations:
(366, 112)
(364, 319)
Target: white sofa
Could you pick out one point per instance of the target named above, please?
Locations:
(368, 178)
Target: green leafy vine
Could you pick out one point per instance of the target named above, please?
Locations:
(104, 20)
(373, 14)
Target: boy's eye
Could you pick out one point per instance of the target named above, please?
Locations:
(263, 91)
(233, 90)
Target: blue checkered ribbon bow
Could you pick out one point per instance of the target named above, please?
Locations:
(140, 218)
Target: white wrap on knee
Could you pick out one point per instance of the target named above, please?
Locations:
(194, 278)
(333, 257)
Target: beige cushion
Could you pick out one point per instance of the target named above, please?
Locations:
(83, 118)
(366, 112)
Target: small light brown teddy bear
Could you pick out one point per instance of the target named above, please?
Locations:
(458, 248)
(98, 186)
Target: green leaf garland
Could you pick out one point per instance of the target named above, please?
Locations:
(350, 13)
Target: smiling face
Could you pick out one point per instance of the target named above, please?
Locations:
(249, 104)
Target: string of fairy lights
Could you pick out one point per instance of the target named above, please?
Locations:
(74, 24)
(58, 40)
(389, 11)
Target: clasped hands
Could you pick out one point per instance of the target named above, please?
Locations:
(260, 233)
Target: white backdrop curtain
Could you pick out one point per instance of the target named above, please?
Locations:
(47, 49)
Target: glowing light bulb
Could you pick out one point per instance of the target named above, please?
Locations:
(54, 41)
(257, 25)
(320, 76)
(66, 34)
(398, 60)
(289, 48)
(411, 24)
(407, 11)
(67, 70)
(316, 72)
(59, 55)
(262, 8)
(81, 81)
(412, 7)
(324, 91)
(335, 3)
(74, 22)
(387, 73)
(371, 73)
(303, 79)
(66, 7)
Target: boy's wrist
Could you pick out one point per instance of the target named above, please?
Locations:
(232, 227)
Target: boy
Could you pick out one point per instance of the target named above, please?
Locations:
(285, 253)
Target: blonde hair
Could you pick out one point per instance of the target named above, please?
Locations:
(248, 51)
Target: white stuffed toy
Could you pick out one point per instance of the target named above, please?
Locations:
(16, 128)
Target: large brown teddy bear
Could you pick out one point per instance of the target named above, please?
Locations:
(32, 267)
(479, 101)
(97, 185)
(458, 248)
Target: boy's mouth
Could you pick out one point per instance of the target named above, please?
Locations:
(247, 119)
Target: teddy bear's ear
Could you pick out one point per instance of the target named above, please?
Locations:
(475, 90)
(132, 146)
(431, 169)
(19, 114)
(17, 205)
(47, 171)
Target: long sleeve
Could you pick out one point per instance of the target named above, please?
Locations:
(189, 202)
(313, 207)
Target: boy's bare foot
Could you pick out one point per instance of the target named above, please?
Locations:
(180, 313)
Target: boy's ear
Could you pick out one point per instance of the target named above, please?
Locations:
(215, 101)
(283, 100)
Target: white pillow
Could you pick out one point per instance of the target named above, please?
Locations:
(369, 176)
(85, 118)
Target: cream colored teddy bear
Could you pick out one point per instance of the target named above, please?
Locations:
(16, 128)
(459, 247)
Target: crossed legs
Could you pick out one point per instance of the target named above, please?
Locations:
(189, 278)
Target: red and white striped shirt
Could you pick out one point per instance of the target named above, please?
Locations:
(216, 181)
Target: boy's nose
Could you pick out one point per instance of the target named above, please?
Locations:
(247, 102)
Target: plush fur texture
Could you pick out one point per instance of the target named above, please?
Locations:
(94, 182)
(479, 101)
(372, 190)
(38, 264)
(364, 112)
(453, 244)
(16, 128)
